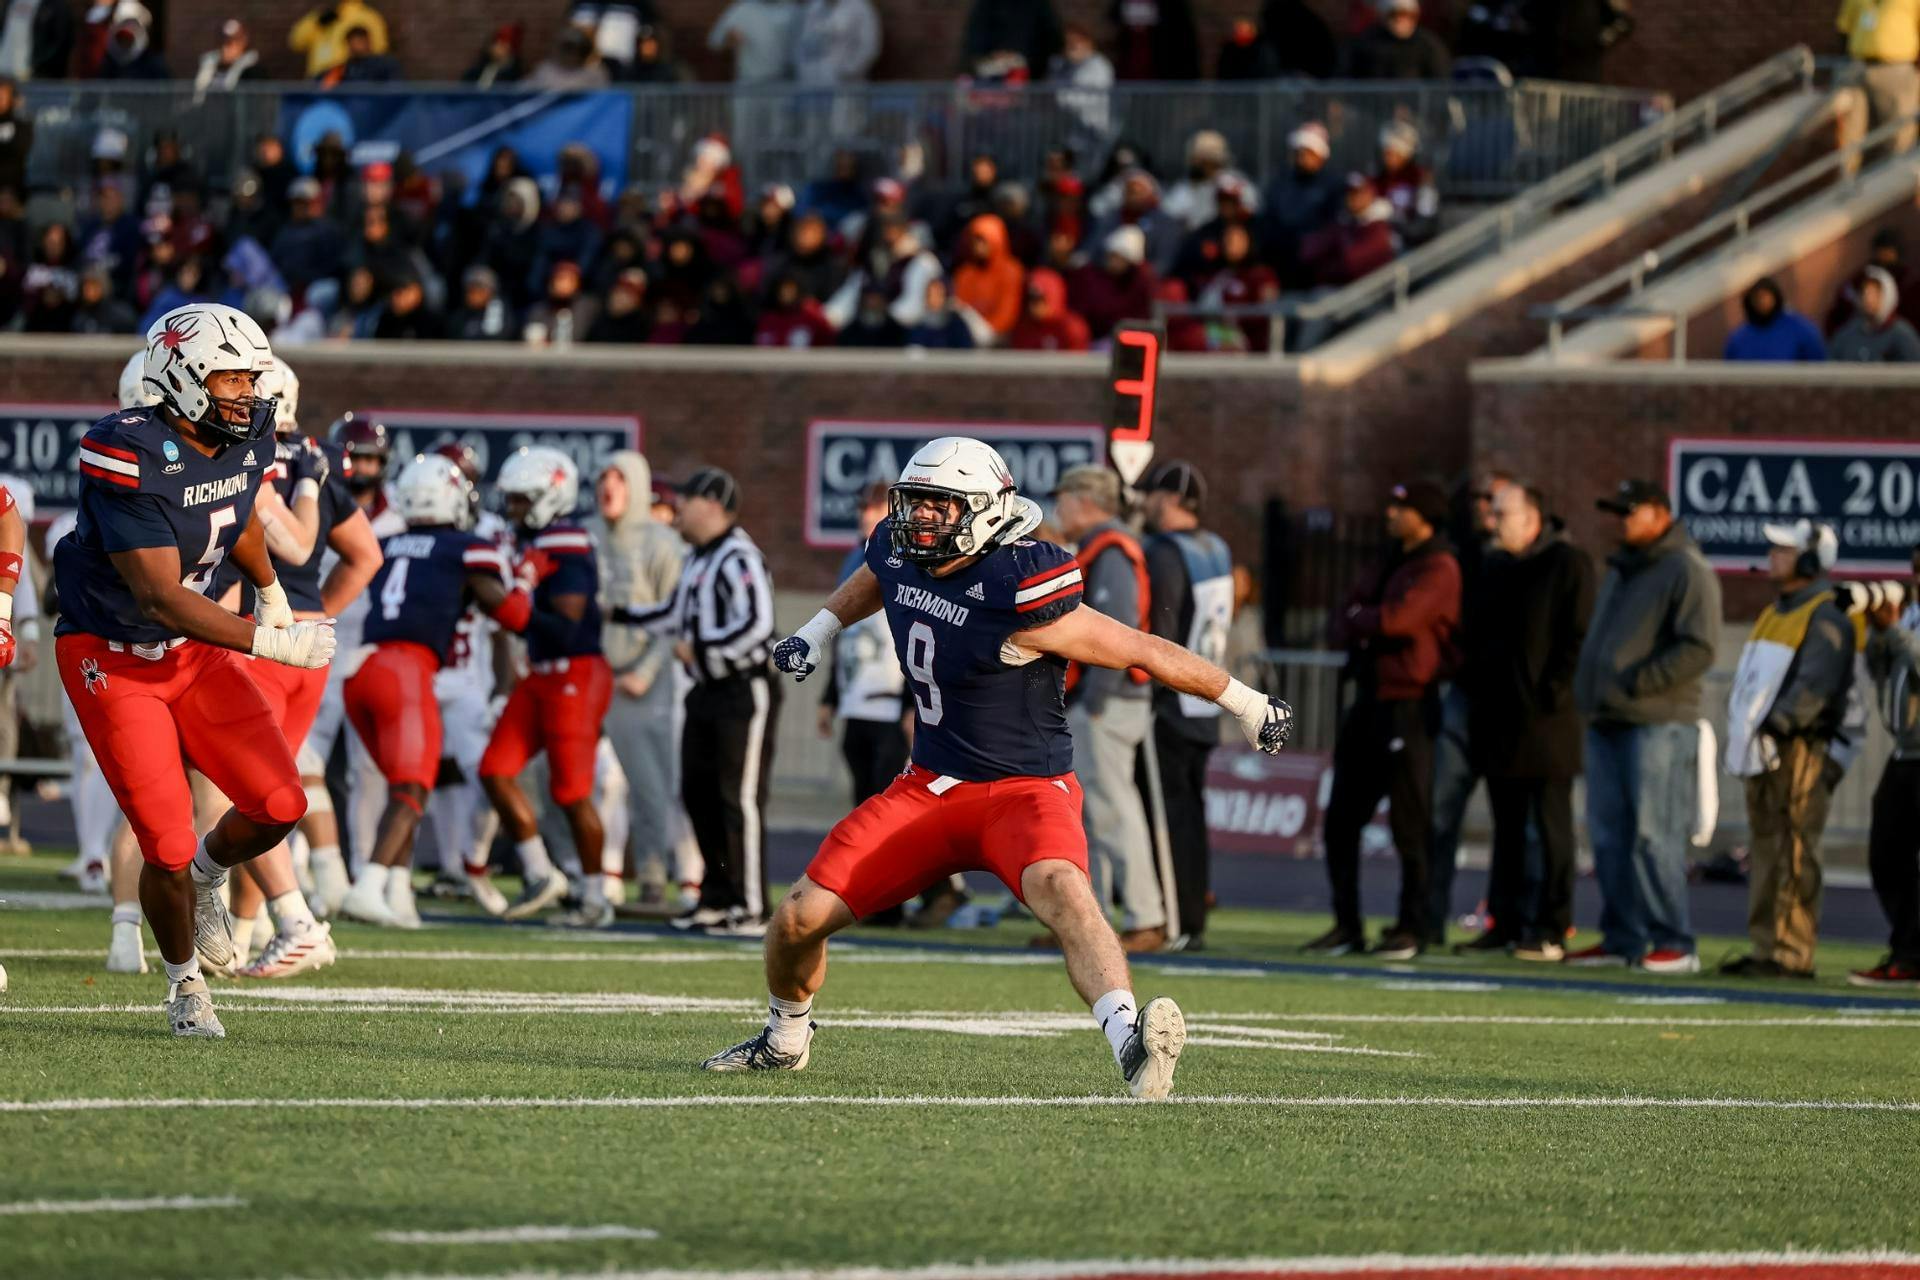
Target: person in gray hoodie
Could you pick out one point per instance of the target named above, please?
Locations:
(1654, 634)
(1893, 842)
(1876, 334)
(639, 567)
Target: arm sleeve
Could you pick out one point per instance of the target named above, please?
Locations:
(1820, 672)
(1696, 633)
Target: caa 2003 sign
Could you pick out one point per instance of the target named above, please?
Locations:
(1726, 490)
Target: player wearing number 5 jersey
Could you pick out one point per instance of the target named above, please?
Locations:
(432, 572)
(984, 621)
(151, 665)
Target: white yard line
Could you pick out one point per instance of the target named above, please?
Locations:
(1850, 1018)
(24, 1207)
(517, 1235)
(54, 1106)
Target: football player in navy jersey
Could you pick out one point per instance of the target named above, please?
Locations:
(562, 703)
(984, 621)
(151, 664)
(432, 573)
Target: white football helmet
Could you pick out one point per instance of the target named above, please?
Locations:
(546, 478)
(283, 385)
(956, 467)
(188, 345)
(134, 391)
(433, 490)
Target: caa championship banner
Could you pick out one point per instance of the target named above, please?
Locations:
(845, 457)
(588, 439)
(40, 443)
(1869, 491)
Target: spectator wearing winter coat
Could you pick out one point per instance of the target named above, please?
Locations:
(989, 278)
(808, 259)
(899, 265)
(1140, 208)
(567, 237)
(1235, 204)
(1888, 252)
(1299, 203)
(1154, 40)
(1360, 240)
(1084, 76)
(233, 62)
(873, 326)
(792, 319)
(625, 317)
(1300, 38)
(1407, 185)
(1397, 628)
(722, 318)
(653, 60)
(1240, 279)
(499, 62)
(484, 316)
(1398, 48)
(1772, 332)
(1120, 286)
(1046, 322)
(130, 54)
(1877, 334)
(512, 239)
(407, 316)
(759, 34)
(98, 310)
(1652, 640)
(1529, 610)
(1190, 201)
(969, 202)
(835, 42)
(109, 236)
(249, 215)
(573, 66)
(322, 34)
(565, 314)
(37, 40)
(311, 246)
(1245, 56)
(941, 326)
(16, 139)
(1027, 28)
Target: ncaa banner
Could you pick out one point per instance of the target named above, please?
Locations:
(461, 131)
(589, 439)
(845, 457)
(40, 444)
(1869, 491)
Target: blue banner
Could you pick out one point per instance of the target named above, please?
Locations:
(589, 439)
(1726, 491)
(443, 131)
(843, 458)
(40, 443)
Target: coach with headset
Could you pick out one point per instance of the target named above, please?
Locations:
(1794, 724)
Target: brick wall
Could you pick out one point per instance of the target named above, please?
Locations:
(1683, 46)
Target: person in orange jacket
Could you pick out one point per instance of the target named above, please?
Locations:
(991, 280)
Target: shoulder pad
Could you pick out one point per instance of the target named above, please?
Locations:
(111, 450)
(1032, 574)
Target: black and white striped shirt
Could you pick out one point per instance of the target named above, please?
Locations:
(722, 607)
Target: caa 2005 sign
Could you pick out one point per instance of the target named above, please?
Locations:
(1728, 490)
(843, 458)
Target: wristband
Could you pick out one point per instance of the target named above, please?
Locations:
(1238, 700)
(11, 566)
(306, 487)
(820, 631)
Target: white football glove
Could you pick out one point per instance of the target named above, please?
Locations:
(270, 607)
(300, 644)
(1267, 721)
(800, 653)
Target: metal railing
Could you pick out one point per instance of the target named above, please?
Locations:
(1596, 176)
(1484, 139)
(1719, 234)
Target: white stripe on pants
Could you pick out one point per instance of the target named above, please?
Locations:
(750, 843)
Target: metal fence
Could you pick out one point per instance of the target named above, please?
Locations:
(1485, 139)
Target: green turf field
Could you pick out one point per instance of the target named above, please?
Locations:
(957, 1109)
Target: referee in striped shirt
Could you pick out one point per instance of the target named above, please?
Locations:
(721, 618)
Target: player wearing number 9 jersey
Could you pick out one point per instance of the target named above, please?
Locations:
(151, 665)
(432, 572)
(984, 620)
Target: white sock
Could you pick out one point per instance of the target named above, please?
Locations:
(374, 876)
(205, 869)
(787, 1023)
(291, 912)
(1115, 1012)
(328, 856)
(535, 865)
(126, 913)
(183, 972)
(242, 938)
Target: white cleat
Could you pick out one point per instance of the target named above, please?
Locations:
(367, 903)
(758, 1054)
(190, 1011)
(488, 895)
(1147, 1060)
(534, 898)
(288, 954)
(330, 885)
(126, 953)
(212, 927)
(406, 912)
(588, 915)
(93, 878)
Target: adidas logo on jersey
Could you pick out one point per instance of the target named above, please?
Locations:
(976, 592)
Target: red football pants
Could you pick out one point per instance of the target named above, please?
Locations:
(293, 695)
(559, 712)
(910, 836)
(391, 704)
(140, 715)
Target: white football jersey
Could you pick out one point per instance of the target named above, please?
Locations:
(469, 669)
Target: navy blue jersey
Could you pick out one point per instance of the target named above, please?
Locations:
(142, 486)
(420, 592)
(301, 581)
(575, 573)
(982, 710)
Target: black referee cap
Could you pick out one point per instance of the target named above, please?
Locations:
(712, 482)
(1183, 480)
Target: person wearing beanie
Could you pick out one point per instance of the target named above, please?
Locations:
(1300, 202)
(1397, 628)
(1120, 286)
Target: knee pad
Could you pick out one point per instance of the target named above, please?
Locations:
(283, 806)
(172, 851)
(319, 799)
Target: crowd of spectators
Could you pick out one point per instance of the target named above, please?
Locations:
(1871, 321)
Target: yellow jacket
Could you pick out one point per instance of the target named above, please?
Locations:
(1881, 30)
(326, 45)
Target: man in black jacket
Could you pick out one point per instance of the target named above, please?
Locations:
(1398, 48)
(1530, 607)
